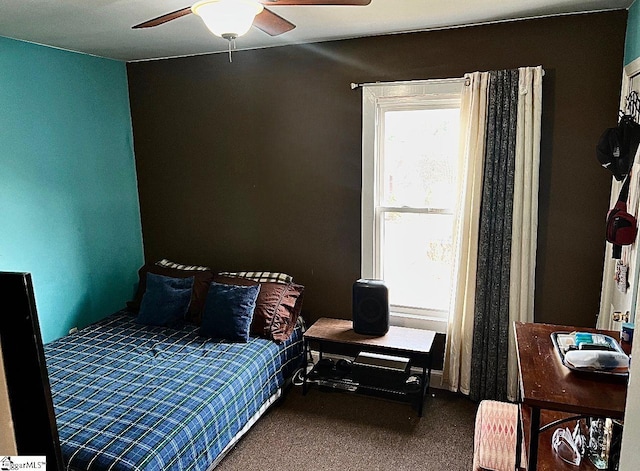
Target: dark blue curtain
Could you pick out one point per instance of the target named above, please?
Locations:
(491, 318)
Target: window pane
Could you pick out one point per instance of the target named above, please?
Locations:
(420, 158)
(417, 259)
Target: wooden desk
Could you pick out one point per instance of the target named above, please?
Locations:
(545, 383)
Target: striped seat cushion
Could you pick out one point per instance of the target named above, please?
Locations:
(495, 437)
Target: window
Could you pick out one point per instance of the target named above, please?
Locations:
(410, 179)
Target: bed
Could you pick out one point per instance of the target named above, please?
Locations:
(132, 396)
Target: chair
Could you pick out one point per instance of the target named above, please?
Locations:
(496, 437)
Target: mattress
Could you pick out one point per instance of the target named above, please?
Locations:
(134, 397)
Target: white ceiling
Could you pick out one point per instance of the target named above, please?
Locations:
(103, 27)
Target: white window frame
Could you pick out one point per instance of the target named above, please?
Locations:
(377, 99)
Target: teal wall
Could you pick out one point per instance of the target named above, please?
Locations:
(632, 41)
(69, 211)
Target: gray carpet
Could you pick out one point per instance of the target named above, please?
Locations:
(340, 431)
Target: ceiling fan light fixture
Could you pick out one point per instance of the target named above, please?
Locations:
(228, 18)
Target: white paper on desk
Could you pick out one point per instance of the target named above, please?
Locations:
(597, 360)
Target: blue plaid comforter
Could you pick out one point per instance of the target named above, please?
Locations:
(134, 397)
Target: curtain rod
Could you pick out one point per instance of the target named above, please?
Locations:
(410, 82)
(405, 82)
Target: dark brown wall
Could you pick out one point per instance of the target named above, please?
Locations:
(255, 164)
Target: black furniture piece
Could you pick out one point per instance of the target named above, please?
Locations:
(34, 422)
(338, 336)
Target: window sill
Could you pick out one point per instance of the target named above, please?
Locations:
(414, 321)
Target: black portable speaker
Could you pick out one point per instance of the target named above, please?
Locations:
(370, 307)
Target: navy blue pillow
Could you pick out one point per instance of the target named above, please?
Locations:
(165, 301)
(228, 311)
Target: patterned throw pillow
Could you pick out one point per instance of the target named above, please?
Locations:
(176, 266)
(259, 276)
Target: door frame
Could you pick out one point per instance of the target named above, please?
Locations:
(609, 293)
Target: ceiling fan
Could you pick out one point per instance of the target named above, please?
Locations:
(232, 18)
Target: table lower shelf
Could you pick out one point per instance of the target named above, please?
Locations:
(547, 458)
(414, 395)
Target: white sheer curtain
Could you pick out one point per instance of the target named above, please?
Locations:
(473, 115)
(473, 110)
(524, 233)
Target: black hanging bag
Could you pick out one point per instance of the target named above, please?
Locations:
(617, 147)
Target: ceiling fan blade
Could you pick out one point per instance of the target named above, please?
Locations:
(164, 18)
(271, 23)
(315, 2)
